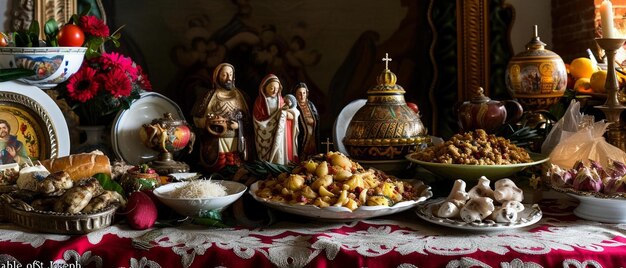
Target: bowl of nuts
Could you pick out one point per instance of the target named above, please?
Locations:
(474, 154)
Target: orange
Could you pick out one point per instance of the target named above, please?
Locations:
(597, 80)
(581, 68)
(582, 85)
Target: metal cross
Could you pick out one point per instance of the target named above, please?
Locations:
(386, 59)
(327, 143)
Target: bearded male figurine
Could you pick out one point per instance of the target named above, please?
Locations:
(222, 116)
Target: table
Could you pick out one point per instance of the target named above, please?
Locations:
(560, 239)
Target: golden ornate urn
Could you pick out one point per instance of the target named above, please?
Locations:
(385, 128)
(536, 78)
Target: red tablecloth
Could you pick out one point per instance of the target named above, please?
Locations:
(560, 239)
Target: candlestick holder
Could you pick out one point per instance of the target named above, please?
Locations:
(612, 108)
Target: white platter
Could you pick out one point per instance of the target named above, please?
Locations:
(339, 214)
(343, 120)
(53, 120)
(531, 215)
(598, 206)
(125, 131)
(610, 210)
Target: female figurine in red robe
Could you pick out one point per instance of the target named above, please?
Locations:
(275, 124)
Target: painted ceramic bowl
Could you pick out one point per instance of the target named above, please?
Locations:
(52, 65)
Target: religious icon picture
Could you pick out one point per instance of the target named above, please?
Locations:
(24, 134)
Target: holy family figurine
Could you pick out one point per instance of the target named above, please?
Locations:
(279, 129)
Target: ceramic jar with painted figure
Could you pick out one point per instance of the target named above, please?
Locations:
(481, 112)
(167, 136)
(537, 78)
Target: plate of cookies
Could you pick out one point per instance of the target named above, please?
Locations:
(474, 154)
(481, 208)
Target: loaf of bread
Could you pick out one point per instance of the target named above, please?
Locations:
(80, 166)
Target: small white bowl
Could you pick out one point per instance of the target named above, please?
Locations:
(52, 65)
(194, 206)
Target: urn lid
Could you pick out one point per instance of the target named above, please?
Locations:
(386, 81)
(480, 96)
(536, 47)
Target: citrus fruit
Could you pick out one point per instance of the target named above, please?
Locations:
(583, 85)
(581, 67)
(597, 81)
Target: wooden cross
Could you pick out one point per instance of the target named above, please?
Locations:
(328, 143)
(387, 59)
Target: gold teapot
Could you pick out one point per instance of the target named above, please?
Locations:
(385, 128)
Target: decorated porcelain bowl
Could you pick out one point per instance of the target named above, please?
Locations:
(52, 65)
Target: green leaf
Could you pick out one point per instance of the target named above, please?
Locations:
(14, 73)
(51, 27)
(109, 184)
(34, 27)
(211, 218)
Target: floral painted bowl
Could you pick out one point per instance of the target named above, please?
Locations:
(52, 65)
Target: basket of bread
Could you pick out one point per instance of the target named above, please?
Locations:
(60, 195)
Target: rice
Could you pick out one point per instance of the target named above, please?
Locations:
(199, 189)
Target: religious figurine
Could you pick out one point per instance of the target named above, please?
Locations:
(275, 123)
(309, 135)
(222, 114)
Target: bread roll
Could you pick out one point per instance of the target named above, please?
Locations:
(80, 166)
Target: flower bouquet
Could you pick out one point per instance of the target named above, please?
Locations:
(106, 81)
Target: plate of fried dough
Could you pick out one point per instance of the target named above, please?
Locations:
(332, 187)
(481, 208)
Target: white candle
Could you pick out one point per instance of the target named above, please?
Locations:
(606, 16)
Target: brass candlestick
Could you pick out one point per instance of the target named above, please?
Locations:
(612, 108)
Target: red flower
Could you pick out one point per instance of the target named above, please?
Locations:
(116, 82)
(94, 26)
(23, 127)
(82, 86)
(142, 79)
(118, 61)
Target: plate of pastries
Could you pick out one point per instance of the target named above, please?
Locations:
(333, 187)
(481, 208)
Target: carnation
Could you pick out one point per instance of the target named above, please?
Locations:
(106, 82)
(94, 26)
(82, 85)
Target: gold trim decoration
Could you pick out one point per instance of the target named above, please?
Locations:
(473, 47)
(24, 12)
(60, 10)
(40, 111)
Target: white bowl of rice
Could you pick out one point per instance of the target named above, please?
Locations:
(191, 198)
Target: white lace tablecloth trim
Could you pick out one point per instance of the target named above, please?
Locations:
(296, 244)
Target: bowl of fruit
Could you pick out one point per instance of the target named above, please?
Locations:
(47, 63)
